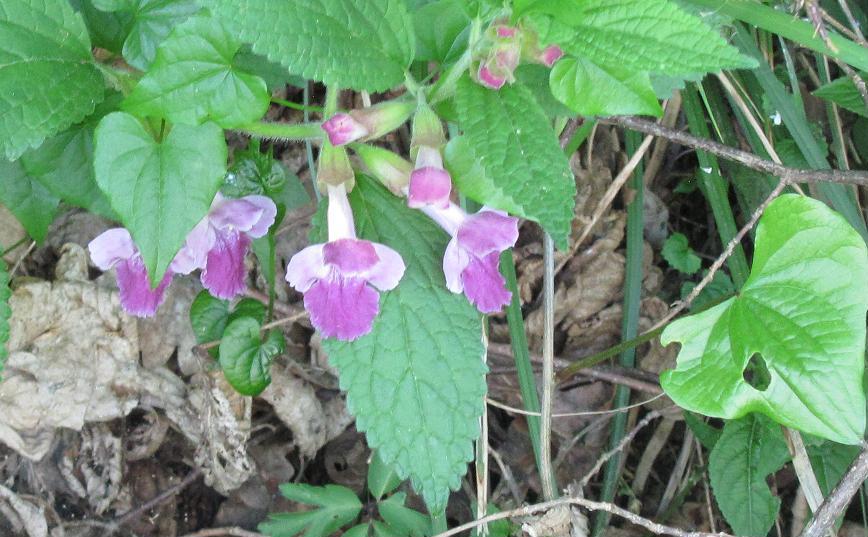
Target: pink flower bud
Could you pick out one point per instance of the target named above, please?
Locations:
(488, 79)
(343, 129)
(550, 55)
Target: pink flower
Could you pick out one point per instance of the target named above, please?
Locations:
(115, 249)
(343, 128)
(338, 278)
(506, 32)
(550, 55)
(471, 260)
(219, 242)
(488, 79)
(499, 66)
(430, 184)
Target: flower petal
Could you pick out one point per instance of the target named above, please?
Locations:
(455, 260)
(194, 254)
(137, 297)
(388, 271)
(306, 267)
(244, 214)
(351, 257)
(484, 286)
(550, 55)
(488, 231)
(225, 274)
(429, 186)
(489, 79)
(343, 308)
(111, 247)
(343, 129)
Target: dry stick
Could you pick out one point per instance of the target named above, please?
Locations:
(224, 532)
(792, 175)
(548, 372)
(133, 514)
(653, 527)
(607, 198)
(514, 410)
(804, 471)
(834, 505)
(621, 445)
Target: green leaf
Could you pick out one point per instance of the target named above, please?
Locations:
(801, 313)
(637, 35)
(107, 30)
(349, 44)
(338, 506)
(193, 79)
(48, 80)
(275, 75)
(63, 164)
(382, 478)
(535, 77)
(678, 253)
(160, 190)
(360, 530)
(843, 92)
(435, 42)
(592, 89)
(416, 383)
(830, 462)
(5, 312)
(254, 172)
(27, 199)
(152, 20)
(246, 358)
(705, 433)
(514, 145)
(748, 451)
(209, 316)
(402, 519)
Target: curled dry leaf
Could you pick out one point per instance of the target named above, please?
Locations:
(24, 515)
(99, 462)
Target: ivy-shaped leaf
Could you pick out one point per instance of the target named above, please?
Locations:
(246, 358)
(193, 78)
(747, 452)
(416, 383)
(5, 312)
(513, 146)
(592, 89)
(800, 318)
(350, 44)
(680, 256)
(160, 190)
(48, 79)
(27, 199)
(150, 23)
(338, 506)
(637, 35)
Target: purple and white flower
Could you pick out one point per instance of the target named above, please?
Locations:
(430, 183)
(115, 249)
(472, 257)
(338, 278)
(220, 241)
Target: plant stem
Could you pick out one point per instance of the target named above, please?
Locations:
(579, 137)
(282, 131)
(546, 473)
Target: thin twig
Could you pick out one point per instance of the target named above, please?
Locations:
(653, 527)
(651, 416)
(164, 496)
(839, 498)
(22, 258)
(792, 175)
(514, 410)
(224, 532)
(548, 371)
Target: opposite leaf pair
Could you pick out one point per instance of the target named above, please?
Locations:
(217, 245)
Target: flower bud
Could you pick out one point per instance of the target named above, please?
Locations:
(427, 129)
(334, 168)
(550, 55)
(386, 166)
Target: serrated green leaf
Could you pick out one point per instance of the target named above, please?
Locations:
(830, 461)
(5, 312)
(403, 520)
(209, 316)
(63, 164)
(349, 44)
(416, 383)
(193, 79)
(27, 199)
(381, 529)
(246, 358)
(151, 22)
(435, 42)
(721, 287)
(843, 92)
(638, 35)
(276, 76)
(535, 77)
(517, 149)
(592, 89)
(748, 450)
(802, 311)
(160, 190)
(382, 478)
(680, 256)
(107, 30)
(337, 506)
(48, 80)
(705, 433)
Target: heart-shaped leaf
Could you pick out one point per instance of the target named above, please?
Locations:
(797, 326)
(246, 358)
(160, 190)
